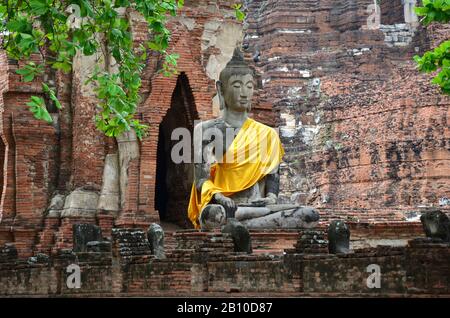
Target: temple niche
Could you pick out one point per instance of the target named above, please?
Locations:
(174, 180)
(366, 146)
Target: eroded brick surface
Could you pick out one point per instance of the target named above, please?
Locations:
(210, 267)
(366, 139)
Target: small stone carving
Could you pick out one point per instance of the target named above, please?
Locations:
(311, 242)
(8, 252)
(56, 205)
(99, 246)
(155, 236)
(84, 233)
(40, 258)
(436, 224)
(338, 237)
(66, 254)
(240, 235)
(130, 242)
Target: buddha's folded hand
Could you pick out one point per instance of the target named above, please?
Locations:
(226, 202)
(270, 199)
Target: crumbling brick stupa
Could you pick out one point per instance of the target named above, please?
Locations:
(366, 138)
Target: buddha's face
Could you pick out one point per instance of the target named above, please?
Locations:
(238, 92)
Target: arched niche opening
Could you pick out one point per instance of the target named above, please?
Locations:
(174, 180)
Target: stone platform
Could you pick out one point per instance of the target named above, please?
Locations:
(205, 264)
(363, 235)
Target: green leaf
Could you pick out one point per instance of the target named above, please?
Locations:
(20, 25)
(37, 107)
(22, 71)
(240, 16)
(51, 95)
(172, 59)
(89, 48)
(86, 8)
(64, 66)
(29, 71)
(154, 46)
(117, 33)
(39, 7)
(28, 78)
(45, 88)
(26, 43)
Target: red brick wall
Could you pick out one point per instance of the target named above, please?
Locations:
(186, 44)
(31, 167)
(157, 91)
(64, 92)
(375, 143)
(4, 86)
(39, 158)
(420, 269)
(386, 122)
(88, 143)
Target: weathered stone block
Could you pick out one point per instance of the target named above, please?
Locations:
(83, 234)
(80, 203)
(56, 205)
(110, 193)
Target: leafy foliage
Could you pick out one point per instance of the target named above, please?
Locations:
(439, 58)
(30, 71)
(37, 107)
(434, 11)
(240, 16)
(59, 29)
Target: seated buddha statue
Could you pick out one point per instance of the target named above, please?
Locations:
(236, 169)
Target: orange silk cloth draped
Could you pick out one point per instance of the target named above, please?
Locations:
(255, 152)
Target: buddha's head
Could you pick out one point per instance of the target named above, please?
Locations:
(236, 84)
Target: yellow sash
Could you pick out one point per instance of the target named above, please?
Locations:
(254, 153)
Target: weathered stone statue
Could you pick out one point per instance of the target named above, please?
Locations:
(155, 236)
(436, 224)
(338, 237)
(237, 174)
(241, 237)
(83, 234)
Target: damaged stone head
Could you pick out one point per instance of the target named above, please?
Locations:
(240, 235)
(436, 224)
(338, 237)
(155, 236)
